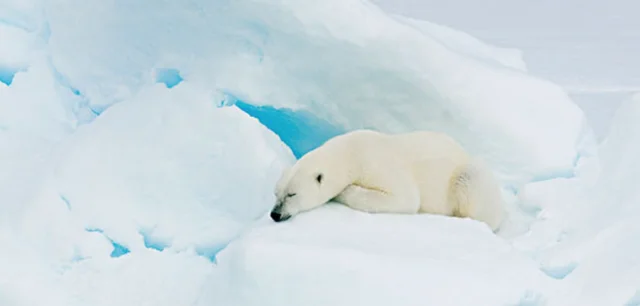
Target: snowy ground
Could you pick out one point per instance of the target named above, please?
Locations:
(140, 143)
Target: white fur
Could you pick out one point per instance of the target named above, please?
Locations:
(417, 172)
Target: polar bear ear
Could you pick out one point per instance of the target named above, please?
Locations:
(319, 178)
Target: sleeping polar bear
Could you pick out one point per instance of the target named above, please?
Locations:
(417, 172)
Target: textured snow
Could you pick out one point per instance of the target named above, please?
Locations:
(139, 145)
(609, 272)
(337, 256)
(377, 72)
(162, 170)
(463, 43)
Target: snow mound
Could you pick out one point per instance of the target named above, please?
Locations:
(586, 229)
(14, 53)
(468, 45)
(143, 278)
(338, 256)
(26, 279)
(375, 73)
(34, 115)
(147, 277)
(609, 230)
(166, 169)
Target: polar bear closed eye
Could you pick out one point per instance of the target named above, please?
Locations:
(410, 173)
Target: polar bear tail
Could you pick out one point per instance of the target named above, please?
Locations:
(475, 194)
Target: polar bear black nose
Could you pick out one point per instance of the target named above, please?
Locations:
(276, 216)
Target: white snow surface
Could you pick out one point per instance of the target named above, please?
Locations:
(609, 272)
(87, 201)
(97, 158)
(337, 256)
(176, 154)
(377, 72)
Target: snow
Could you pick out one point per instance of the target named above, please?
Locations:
(91, 282)
(157, 172)
(32, 120)
(463, 43)
(90, 200)
(337, 256)
(613, 250)
(139, 146)
(362, 79)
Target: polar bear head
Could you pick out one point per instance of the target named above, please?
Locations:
(313, 180)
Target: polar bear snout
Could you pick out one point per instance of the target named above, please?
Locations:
(278, 215)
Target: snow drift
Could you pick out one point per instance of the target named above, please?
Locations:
(608, 270)
(377, 72)
(338, 256)
(131, 165)
(167, 169)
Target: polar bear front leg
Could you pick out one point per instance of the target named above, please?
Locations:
(377, 201)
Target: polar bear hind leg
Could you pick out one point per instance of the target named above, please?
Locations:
(475, 193)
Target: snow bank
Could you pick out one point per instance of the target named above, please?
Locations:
(132, 207)
(587, 230)
(609, 268)
(142, 278)
(466, 44)
(147, 277)
(14, 53)
(375, 73)
(26, 278)
(166, 169)
(34, 115)
(338, 256)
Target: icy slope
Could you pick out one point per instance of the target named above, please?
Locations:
(34, 115)
(148, 192)
(132, 206)
(166, 169)
(338, 256)
(377, 72)
(586, 230)
(88, 203)
(609, 270)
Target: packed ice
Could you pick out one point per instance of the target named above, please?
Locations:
(140, 144)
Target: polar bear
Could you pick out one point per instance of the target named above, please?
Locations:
(408, 173)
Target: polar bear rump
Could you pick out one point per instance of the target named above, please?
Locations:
(475, 193)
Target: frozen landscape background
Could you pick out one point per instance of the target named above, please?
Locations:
(140, 143)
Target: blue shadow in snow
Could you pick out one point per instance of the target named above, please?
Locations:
(168, 76)
(118, 249)
(151, 242)
(7, 74)
(301, 131)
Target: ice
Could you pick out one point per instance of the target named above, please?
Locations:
(33, 118)
(338, 256)
(14, 52)
(299, 130)
(468, 45)
(612, 220)
(151, 189)
(143, 278)
(168, 169)
(147, 277)
(375, 73)
(586, 228)
(139, 145)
